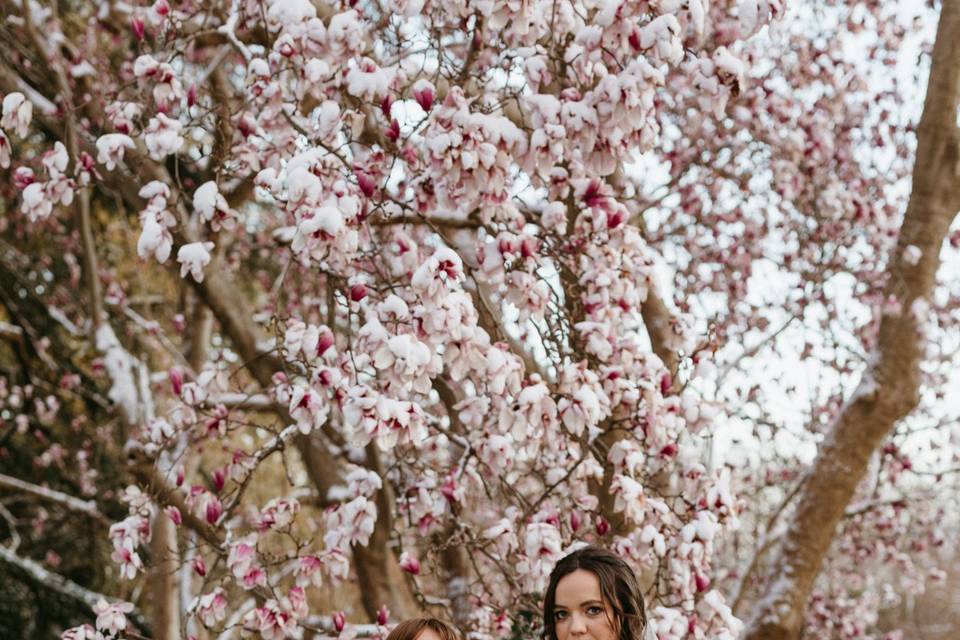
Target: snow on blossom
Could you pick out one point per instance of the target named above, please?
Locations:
(406, 8)
(193, 258)
(440, 271)
(283, 13)
(162, 136)
(651, 536)
(366, 80)
(754, 14)
(111, 147)
(56, 160)
(668, 623)
(155, 236)
(122, 115)
(584, 409)
(212, 207)
(497, 452)
(162, 77)
(321, 232)
(662, 36)
(17, 113)
(345, 33)
(469, 155)
(715, 600)
(407, 357)
(542, 540)
(154, 190)
(424, 93)
(542, 546)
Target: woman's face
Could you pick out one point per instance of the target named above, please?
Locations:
(580, 612)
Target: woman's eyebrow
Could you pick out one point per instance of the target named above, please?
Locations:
(582, 604)
(591, 603)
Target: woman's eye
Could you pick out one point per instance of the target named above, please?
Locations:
(594, 611)
(559, 615)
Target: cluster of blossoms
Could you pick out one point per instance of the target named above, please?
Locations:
(509, 442)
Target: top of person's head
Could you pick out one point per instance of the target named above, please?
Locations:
(412, 628)
(618, 586)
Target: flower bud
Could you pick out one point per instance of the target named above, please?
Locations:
(339, 621)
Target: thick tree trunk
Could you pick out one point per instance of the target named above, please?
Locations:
(889, 389)
(165, 587)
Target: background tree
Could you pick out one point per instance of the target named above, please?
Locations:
(319, 314)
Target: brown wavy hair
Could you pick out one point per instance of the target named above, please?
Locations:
(618, 586)
(410, 629)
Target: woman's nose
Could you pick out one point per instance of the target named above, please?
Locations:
(578, 625)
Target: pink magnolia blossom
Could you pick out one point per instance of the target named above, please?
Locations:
(111, 618)
(83, 632)
(211, 607)
(409, 563)
(174, 514)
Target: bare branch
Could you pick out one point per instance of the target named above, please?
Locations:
(29, 570)
(87, 507)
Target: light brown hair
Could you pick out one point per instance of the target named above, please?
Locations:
(410, 629)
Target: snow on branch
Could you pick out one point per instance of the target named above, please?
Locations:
(88, 507)
(33, 572)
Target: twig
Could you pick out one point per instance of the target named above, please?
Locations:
(88, 507)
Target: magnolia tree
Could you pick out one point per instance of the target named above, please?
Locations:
(324, 314)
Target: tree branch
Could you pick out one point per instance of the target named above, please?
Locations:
(34, 573)
(87, 507)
